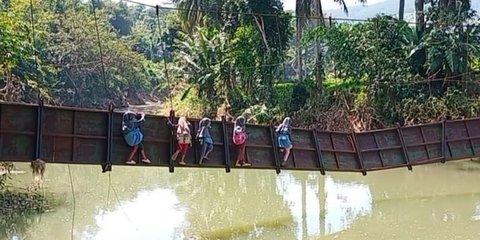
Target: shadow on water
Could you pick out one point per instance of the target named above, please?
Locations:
(150, 203)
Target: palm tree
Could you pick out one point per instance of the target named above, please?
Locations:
(419, 16)
(303, 9)
(401, 9)
(191, 12)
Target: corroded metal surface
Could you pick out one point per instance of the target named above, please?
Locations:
(81, 136)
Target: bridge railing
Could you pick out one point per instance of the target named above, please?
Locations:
(86, 136)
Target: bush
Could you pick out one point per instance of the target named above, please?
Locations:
(291, 97)
(453, 105)
(16, 208)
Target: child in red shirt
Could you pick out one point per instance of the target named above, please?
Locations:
(184, 139)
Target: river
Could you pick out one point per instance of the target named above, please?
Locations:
(438, 201)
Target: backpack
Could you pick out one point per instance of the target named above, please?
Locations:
(184, 138)
(239, 138)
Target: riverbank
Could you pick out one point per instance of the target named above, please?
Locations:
(16, 208)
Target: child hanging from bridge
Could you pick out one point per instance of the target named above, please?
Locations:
(133, 135)
(183, 138)
(205, 139)
(240, 140)
(284, 138)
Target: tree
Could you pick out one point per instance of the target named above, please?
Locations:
(14, 49)
(303, 10)
(419, 16)
(401, 9)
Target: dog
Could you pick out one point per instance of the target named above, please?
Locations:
(38, 169)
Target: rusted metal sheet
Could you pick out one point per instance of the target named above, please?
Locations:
(82, 136)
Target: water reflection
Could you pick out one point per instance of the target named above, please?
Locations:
(249, 204)
(329, 205)
(344, 203)
(476, 215)
(154, 214)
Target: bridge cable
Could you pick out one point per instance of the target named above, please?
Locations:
(100, 48)
(162, 44)
(110, 186)
(74, 201)
(34, 50)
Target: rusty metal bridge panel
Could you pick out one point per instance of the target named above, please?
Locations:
(85, 136)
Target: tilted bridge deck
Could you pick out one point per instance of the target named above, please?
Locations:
(86, 136)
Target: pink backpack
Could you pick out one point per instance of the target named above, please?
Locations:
(239, 138)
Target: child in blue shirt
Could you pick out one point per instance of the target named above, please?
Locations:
(133, 135)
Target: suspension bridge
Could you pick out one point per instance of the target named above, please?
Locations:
(69, 135)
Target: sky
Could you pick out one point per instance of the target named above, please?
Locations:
(288, 4)
(330, 4)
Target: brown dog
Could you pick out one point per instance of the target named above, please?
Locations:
(38, 169)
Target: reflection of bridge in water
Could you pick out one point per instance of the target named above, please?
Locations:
(86, 136)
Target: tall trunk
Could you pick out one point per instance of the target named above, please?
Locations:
(420, 16)
(300, 22)
(318, 13)
(401, 9)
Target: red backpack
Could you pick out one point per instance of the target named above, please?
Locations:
(239, 138)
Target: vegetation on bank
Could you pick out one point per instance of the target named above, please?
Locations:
(17, 205)
(335, 75)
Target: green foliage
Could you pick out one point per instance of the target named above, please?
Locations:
(14, 44)
(16, 210)
(284, 96)
(385, 54)
(375, 70)
(454, 105)
(291, 97)
(449, 43)
(68, 67)
(5, 169)
(229, 59)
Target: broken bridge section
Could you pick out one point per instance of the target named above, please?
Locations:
(87, 136)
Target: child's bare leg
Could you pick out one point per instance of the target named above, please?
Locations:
(209, 150)
(175, 155)
(204, 152)
(287, 153)
(132, 155)
(144, 157)
(182, 161)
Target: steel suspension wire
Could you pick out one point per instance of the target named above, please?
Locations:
(100, 48)
(110, 186)
(280, 44)
(165, 65)
(260, 13)
(34, 51)
(74, 201)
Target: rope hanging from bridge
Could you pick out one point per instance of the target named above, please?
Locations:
(162, 44)
(280, 44)
(100, 48)
(73, 199)
(34, 51)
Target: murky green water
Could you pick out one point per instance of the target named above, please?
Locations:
(432, 202)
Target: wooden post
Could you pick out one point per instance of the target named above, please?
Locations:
(318, 151)
(39, 137)
(194, 142)
(107, 166)
(379, 152)
(275, 149)
(359, 153)
(171, 166)
(226, 147)
(444, 141)
(404, 147)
